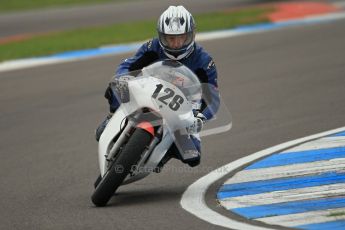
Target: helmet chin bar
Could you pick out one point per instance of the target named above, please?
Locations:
(178, 55)
(172, 57)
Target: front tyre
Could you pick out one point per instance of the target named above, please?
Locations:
(116, 174)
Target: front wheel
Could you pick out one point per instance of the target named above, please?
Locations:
(116, 174)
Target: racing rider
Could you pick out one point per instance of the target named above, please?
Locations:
(176, 41)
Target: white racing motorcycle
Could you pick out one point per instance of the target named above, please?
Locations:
(156, 111)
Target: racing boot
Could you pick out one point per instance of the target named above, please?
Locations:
(194, 155)
(191, 150)
(171, 153)
(192, 158)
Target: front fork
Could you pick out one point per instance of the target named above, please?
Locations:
(120, 141)
(147, 153)
(134, 122)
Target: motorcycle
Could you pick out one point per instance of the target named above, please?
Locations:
(158, 104)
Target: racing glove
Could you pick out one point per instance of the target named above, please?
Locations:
(197, 125)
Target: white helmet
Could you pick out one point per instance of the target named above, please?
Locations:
(174, 22)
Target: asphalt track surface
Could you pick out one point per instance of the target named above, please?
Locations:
(65, 18)
(279, 85)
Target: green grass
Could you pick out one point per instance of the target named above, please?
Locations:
(230, 19)
(120, 33)
(21, 5)
(76, 39)
(336, 214)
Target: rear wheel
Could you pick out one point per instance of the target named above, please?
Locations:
(116, 174)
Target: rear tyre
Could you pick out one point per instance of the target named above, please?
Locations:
(116, 174)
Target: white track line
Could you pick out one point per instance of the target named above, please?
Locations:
(323, 143)
(193, 200)
(336, 165)
(314, 217)
(290, 195)
(25, 63)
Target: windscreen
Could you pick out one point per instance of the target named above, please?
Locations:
(177, 74)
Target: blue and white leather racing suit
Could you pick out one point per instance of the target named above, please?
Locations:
(199, 61)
